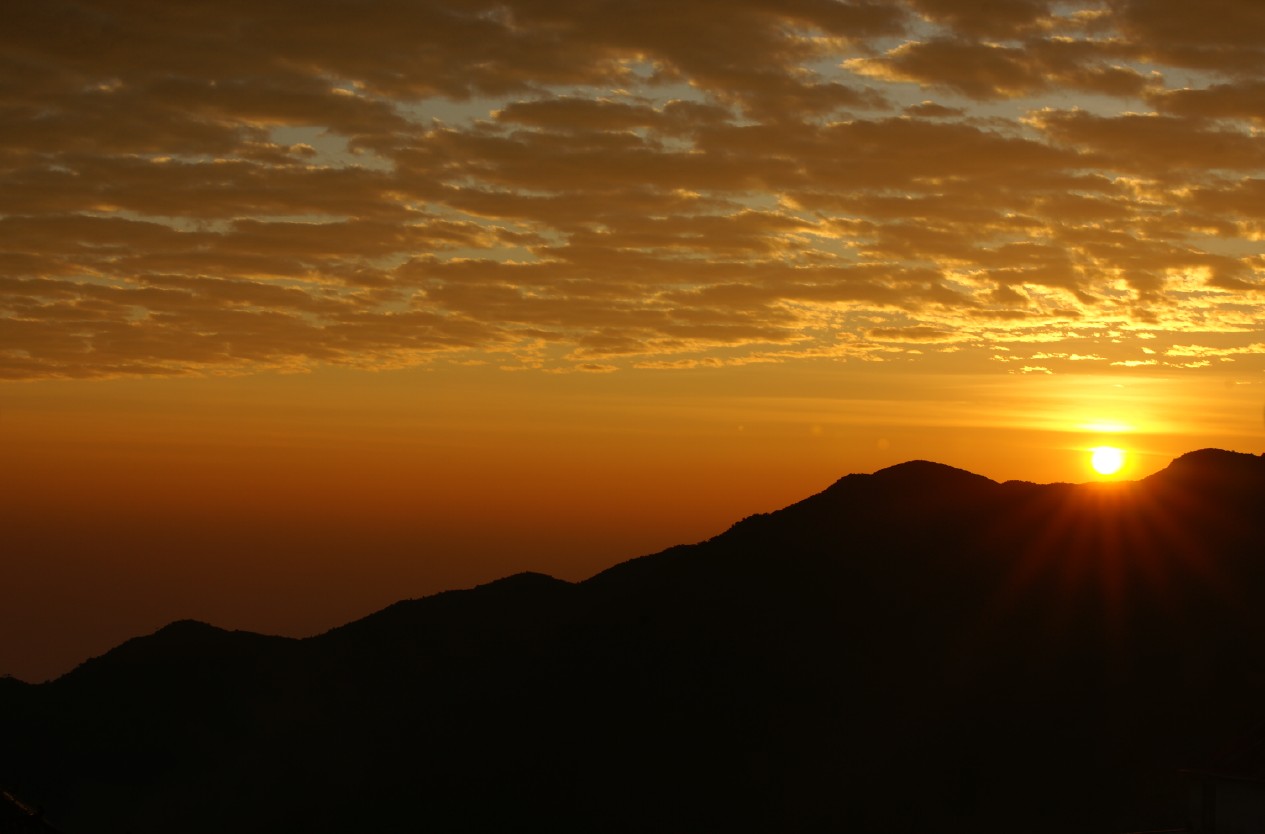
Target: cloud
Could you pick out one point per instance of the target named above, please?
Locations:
(1242, 100)
(986, 19)
(220, 188)
(914, 333)
(1224, 36)
(982, 70)
(1151, 145)
(1204, 351)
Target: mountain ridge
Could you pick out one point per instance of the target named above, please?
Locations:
(1202, 463)
(1001, 647)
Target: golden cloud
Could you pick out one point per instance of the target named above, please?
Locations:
(217, 188)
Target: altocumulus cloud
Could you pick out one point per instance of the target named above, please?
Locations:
(221, 187)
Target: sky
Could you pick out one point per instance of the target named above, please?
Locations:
(309, 307)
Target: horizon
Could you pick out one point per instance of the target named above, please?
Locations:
(310, 307)
(913, 649)
(60, 668)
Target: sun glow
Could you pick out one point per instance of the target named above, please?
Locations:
(1106, 426)
(1106, 460)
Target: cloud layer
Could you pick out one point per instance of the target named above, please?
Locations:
(223, 187)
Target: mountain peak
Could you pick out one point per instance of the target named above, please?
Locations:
(1215, 468)
(1209, 458)
(912, 477)
(926, 470)
(187, 626)
(524, 580)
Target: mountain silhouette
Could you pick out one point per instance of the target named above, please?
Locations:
(918, 649)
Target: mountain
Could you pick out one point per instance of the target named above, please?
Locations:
(917, 649)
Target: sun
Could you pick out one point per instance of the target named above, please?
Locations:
(1106, 460)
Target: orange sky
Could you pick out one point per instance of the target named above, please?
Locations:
(308, 307)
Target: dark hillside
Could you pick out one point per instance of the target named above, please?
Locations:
(918, 649)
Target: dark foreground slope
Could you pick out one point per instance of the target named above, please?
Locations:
(915, 650)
